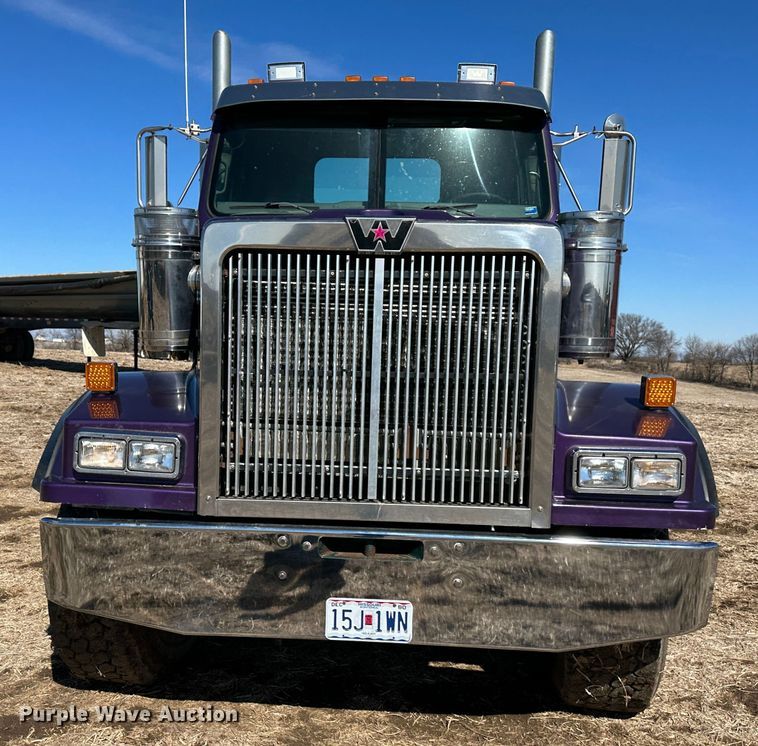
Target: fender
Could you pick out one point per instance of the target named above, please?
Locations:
(49, 462)
(156, 402)
(610, 416)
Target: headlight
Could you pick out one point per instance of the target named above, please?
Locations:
(158, 457)
(622, 473)
(656, 474)
(603, 471)
(101, 453)
(132, 454)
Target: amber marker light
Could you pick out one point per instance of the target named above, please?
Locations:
(352, 79)
(657, 391)
(380, 78)
(101, 377)
(506, 82)
(653, 425)
(407, 78)
(103, 408)
(255, 81)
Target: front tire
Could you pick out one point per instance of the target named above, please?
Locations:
(108, 651)
(621, 679)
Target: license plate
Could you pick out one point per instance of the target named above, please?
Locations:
(369, 619)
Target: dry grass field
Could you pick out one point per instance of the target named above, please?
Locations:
(329, 693)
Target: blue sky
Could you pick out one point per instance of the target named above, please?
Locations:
(79, 78)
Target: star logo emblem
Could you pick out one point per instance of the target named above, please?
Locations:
(380, 235)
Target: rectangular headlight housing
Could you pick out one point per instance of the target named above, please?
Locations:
(656, 474)
(101, 454)
(128, 454)
(603, 472)
(154, 456)
(622, 473)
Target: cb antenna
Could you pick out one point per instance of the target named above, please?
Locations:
(191, 129)
(186, 72)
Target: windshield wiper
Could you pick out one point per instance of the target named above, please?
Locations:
(457, 208)
(271, 206)
(278, 205)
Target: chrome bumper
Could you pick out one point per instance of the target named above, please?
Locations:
(480, 590)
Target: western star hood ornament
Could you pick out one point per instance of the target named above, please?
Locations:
(380, 235)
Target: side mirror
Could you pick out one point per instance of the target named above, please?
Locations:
(617, 171)
(156, 170)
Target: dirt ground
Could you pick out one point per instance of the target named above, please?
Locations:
(330, 693)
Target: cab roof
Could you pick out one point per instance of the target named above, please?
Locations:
(384, 91)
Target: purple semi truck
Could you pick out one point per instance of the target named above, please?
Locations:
(372, 442)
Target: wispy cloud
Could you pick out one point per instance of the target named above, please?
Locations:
(251, 59)
(112, 32)
(95, 26)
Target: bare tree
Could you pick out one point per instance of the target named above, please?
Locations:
(633, 333)
(707, 361)
(746, 354)
(121, 340)
(723, 355)
(661, 346)
(692, 356)
(708, 364)
(72, 338)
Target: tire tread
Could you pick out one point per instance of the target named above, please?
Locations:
(106, 650)
(621, 679)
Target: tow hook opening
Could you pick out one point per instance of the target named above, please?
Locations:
(332, 547)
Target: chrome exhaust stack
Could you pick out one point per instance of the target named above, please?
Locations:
(222, 66)
(544, 64)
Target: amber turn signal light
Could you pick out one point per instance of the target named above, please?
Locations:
(657, 391)
(101, 377)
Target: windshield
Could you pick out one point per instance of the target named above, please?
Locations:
(491, 167)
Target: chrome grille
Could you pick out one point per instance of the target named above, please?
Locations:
(395, 379)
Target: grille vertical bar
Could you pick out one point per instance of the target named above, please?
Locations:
(400, 379)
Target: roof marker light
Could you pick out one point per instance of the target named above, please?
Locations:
(506, 82)
(476, 72)
(380, 78)
(407, 78)
(353, 79)
(286, 72)
(255, 81)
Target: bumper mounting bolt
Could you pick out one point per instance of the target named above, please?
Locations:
(434, 550)
(457, 582)
(458, 547)
(283, 540)
(282, 575)
(307, 545)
